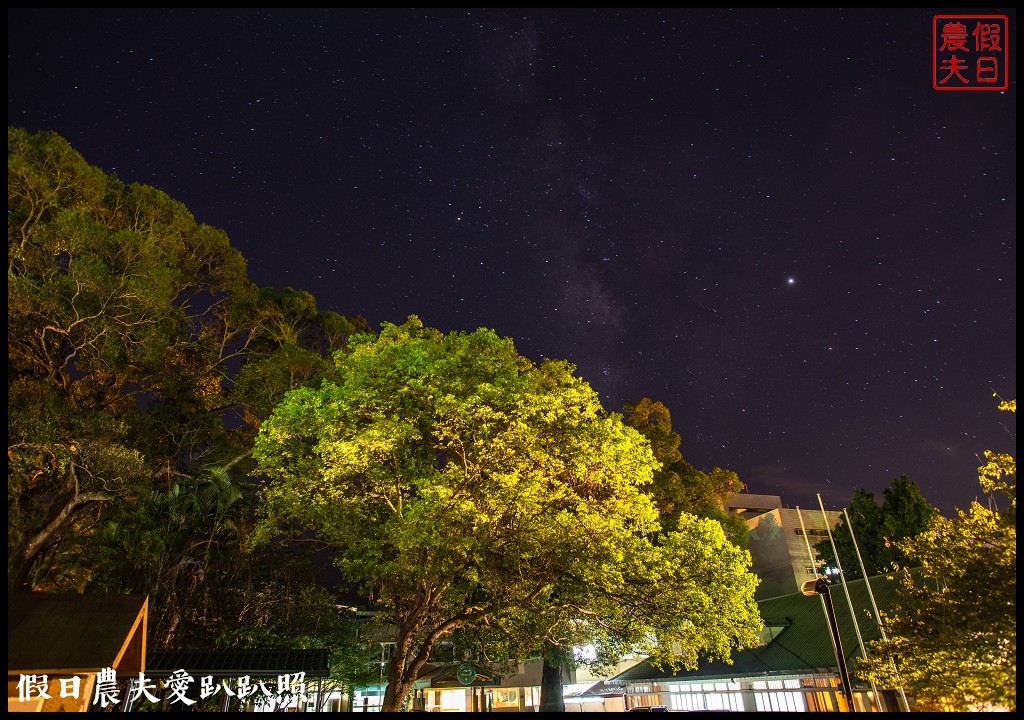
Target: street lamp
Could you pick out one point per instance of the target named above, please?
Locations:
(820, 587)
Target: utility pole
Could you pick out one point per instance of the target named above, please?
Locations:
(820, 587)
(846, 592)
(905, 706)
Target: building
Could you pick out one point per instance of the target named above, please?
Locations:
(794, 669)
(778, 538)
(469, 687)
(59, 647)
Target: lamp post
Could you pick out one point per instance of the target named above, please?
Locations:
(820, 587)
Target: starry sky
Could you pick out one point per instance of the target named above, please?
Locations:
(768, 220)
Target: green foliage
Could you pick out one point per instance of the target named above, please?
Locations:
(134, 339)
(879, 530)
(289, 345)
(107, 286)
(462, 486)
(177, 545)
(953, 635)
(678, 487)
(458, 482)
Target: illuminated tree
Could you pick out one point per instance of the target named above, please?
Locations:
(954, 633)
(678, 486)
(462, 486)
(135, 344)
(112, 376)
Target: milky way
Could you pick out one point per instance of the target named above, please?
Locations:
(767, 220)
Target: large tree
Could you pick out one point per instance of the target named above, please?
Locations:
(679, 492)
(114, 378)
(878, 529)
(140, 361)
(463, 486)
(953, 635)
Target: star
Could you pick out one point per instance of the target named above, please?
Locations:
(550, 201)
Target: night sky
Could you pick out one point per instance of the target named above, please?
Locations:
(766, 219)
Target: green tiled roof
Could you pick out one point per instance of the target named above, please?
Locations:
(802, 643)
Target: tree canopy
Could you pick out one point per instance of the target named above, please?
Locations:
(879, 529)
(140, 362)
(953, 635)
(113, 292)
(463, 486)
(679, 487)
(458, 483)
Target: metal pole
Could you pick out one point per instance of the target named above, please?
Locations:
(825, 598)
(810, 554)
(874, 608)
(826, 606)
(821, 587)
(846, 590)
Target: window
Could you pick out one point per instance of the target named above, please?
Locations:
(453, 701)
(506, 698)
(779, 701)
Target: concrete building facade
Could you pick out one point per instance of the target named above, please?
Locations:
(778, 538)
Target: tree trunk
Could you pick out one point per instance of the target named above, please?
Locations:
(394, 695)
(18, 575)
(551, 698)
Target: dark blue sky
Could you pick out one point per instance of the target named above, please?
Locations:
(766, 219)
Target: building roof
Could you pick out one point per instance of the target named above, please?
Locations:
(801, 641)
(747, 505)
(446, 675)
(236, 663)
(67, 634)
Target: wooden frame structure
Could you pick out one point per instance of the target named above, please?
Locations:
(60, 637)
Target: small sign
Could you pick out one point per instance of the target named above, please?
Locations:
(969, 52)
(466, 674)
